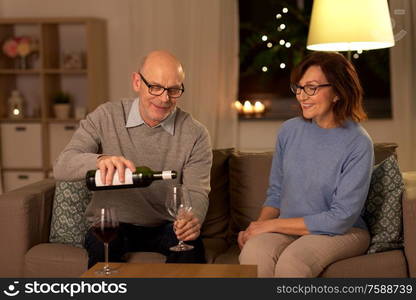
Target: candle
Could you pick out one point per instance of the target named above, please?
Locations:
(247, 108)
(16, 112)
(238, 106)
(259, 107)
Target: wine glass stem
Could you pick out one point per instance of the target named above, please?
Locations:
(106, 266)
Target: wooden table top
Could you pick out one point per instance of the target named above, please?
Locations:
(150, 270)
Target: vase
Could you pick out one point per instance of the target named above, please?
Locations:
(21, 63)
(62, 110)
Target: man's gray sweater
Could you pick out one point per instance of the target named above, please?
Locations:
(104, 131)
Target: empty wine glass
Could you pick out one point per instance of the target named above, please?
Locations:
(105, 227)
(178, 205)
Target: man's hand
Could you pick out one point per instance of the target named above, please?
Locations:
(109, 164)
(253, 229)
(187, 229)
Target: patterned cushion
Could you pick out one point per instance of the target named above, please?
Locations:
(383, 209)
(68, 225)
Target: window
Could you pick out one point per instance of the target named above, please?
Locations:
(273, 36)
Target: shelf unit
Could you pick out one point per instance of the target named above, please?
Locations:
(38, 137)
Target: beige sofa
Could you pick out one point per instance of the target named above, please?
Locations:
(239, 182)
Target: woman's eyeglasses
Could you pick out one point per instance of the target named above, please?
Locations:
(309, 89)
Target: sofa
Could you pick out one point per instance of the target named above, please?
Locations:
(238, 186)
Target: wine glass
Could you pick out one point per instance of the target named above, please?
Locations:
(105, 227)
(178, 205)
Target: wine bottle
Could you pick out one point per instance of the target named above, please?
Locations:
(142, 177)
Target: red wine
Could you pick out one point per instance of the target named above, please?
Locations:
(106, 234)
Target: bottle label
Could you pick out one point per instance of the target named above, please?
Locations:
(167, 175)
(128, 178)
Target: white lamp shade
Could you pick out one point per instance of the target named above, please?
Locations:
(348, 25)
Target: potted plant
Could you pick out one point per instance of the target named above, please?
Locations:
(62, 105)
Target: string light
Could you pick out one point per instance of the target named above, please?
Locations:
(356, 55)
(359, 51)
(282, 42)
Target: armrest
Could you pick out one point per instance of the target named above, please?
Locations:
(25, 216)
(409, 221)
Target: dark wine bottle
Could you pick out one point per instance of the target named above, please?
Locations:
(142, 177)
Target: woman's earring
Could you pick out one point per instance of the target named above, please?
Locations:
(335, 100)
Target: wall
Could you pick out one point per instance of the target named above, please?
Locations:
(202, 34)
(115, 12)
(251, 135)
(401, 129)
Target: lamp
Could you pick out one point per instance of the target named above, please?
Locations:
(350, 25)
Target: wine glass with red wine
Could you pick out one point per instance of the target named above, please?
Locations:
(105, 227)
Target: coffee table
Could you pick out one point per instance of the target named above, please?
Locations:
(151, 270)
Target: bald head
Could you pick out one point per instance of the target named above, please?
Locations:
(160, 71)
(162, 61)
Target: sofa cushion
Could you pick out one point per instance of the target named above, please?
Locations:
(383, 208)
(216, 220)
(409, 220)
(213, 248)
(230, 256)
(384, 150)
(249, 179)
(68, 225)
(391, 264)
(55, 260)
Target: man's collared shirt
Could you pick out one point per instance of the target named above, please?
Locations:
(135, 119)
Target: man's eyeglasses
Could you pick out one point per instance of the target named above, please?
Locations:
(157, 90)
(309, 89)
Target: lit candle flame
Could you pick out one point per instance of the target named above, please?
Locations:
(247, 108)
(259, 107)
(238, 106)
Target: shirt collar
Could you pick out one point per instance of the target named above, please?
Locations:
(135, 119)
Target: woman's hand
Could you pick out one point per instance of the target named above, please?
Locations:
(253, 229)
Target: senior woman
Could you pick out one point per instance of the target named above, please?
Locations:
(319, 179)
